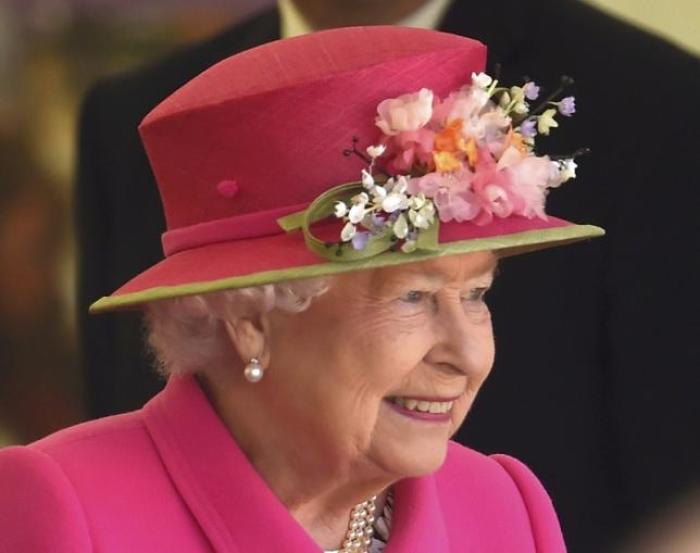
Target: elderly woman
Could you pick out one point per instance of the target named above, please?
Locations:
(336, 208)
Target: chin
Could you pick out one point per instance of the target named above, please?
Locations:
(415, 458)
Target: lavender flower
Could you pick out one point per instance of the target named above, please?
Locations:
(528, 128)
(567, 106)
(531, 90)
(359, 240)
(376, 223)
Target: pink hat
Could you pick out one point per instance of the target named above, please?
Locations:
(344, 150)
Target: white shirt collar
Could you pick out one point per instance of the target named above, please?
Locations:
(428, 16)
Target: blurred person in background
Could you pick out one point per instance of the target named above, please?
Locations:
(38, 385)
(621, 313)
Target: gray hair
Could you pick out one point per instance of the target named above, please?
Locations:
(187, 334)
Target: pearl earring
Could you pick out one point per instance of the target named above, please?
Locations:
(254, 371)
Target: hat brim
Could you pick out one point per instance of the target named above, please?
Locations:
(281, 257)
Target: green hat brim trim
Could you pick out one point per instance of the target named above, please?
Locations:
(505, 245)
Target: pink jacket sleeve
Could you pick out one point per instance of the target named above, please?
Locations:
(39, 510)
(546, 531)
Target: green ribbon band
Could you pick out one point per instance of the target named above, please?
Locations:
(324, 206)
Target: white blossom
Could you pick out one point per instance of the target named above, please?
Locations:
(401, 227)
(428, 211)
(417, 201)
(418, 219)
(367, 179)
(362, 198)
(392, 202)
(376, 151)
(568, 169)
(482, 80)
(357, 213)
(340, 209)
(348, 232)
(400, 185)
(379, 193)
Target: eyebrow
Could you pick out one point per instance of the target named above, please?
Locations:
(493, 269)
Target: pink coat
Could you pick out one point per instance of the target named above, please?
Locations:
(169, 478)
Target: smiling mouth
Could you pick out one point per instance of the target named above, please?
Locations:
(422, 405)
(422, 408)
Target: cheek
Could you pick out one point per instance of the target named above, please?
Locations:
(385, 354)
(478, 364)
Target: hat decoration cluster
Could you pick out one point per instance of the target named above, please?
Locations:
(469, 157)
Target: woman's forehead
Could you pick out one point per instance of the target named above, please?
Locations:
(452, 268)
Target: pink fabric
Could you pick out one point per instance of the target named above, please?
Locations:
(238, 227)
(277, 118)
(169, 477)
(234, 258)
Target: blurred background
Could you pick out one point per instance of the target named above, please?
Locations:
(51, 51)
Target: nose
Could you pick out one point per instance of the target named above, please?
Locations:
(463, 337)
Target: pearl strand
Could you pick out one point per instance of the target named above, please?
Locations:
(360, 528)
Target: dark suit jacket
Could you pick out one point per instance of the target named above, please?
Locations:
(597, 370)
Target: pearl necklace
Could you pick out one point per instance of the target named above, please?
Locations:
(360, 528)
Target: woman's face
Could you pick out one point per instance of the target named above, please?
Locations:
(352, 376)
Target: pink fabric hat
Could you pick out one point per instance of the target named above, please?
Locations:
(250, 154)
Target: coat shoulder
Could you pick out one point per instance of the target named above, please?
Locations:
(98, 485)
(496, 492)
(39, 508)
(106, 442)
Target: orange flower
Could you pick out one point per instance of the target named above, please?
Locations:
(446, 162)
(472, 153)
(450, 148)
(450, 138)
(515, 139)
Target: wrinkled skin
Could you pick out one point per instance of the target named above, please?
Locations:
(319, 426)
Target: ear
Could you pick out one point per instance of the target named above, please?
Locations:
(251, 338)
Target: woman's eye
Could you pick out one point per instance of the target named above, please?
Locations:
(477, 294)
(414, 296)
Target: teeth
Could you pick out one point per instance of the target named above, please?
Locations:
(434, 407)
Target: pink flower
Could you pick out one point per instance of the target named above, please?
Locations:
(450, 193)
(407, 148)
(489, 129)
(408, 112)
(464, 104)
(458, 206)
(494, 190)
(530, 176)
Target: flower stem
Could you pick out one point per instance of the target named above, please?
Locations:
(566, 82)
(578, 153)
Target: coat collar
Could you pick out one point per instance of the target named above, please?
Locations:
(233, 505)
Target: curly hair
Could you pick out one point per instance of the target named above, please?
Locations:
(187, 335)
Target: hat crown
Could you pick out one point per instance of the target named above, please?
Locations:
(274, 120)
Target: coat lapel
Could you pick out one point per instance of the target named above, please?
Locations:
(232, 504)
(418, 525)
